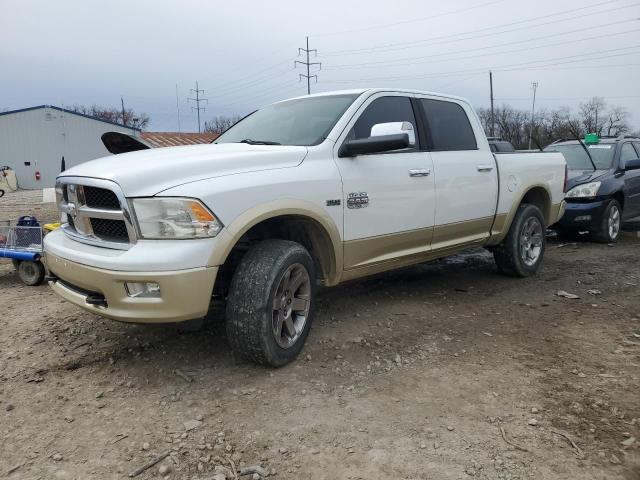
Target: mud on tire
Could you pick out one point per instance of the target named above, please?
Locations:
(259, 301)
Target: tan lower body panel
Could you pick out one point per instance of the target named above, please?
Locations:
(184, 294)
(377, 254)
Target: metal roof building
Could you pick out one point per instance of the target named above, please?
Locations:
(34, 140)
(173, 139)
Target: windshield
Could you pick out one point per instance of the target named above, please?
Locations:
(303, 121)
(577, 158)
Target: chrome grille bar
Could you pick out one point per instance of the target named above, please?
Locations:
(71, 201)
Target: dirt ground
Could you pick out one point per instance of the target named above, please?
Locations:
(444, 370)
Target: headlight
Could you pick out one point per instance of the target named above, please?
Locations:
(586, 190)
(174, 218)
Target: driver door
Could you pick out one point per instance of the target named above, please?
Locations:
(389, 197)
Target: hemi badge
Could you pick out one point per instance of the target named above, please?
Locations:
(333, 203)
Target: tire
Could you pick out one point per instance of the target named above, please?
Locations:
(31, 272)
(520, 254)
(609, 233)
(260, 305)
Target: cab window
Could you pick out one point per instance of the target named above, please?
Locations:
(380, 113)
(449, 126)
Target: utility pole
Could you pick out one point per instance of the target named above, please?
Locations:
(493, 118)
(198, 100)
(534, 86)
(308, 64)
(124, 120)
(178, 107)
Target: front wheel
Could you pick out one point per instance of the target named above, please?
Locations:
(520, 253)
(270, 304)
(611, 223)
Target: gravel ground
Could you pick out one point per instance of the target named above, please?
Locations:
(445, 370)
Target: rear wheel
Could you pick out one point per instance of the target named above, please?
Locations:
(521, 252)
(31, 272)
(611, 223)
(270, 304)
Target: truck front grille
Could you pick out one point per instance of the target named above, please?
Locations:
(97, 212)
(101, 198)
(113, 230)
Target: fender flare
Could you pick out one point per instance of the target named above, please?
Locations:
(503, 222)
(232, 233)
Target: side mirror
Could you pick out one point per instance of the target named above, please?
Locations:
(632, 164)
(377, 144)
(394, 128)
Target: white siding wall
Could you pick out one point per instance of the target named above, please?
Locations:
(43, 136)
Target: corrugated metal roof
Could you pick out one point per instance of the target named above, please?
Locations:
(174, 139)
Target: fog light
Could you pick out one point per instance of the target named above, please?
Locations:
(582, 218)
(142, 289)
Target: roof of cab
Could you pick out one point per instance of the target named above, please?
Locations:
(371, 91)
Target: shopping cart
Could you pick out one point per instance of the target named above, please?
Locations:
(21, 241)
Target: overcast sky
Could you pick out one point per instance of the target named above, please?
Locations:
(64, 52)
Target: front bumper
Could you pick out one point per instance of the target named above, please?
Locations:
(83, 273)
(184, 294)
(583, 215)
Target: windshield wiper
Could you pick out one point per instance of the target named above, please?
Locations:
(258, 142)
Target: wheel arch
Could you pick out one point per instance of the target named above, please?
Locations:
(300, 221)
(538, 195)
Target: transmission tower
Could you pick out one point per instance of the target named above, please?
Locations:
(308, 64)
(197, 92)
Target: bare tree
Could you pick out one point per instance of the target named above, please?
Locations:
(549, 126)
(114, 115)
(616, 121)
(592, 115)
(221, 123)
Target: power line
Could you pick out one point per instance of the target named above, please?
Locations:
(405, 22)
(308, 64)
(503, 68)
(198, 100)
(253, 79)
(541, 37)
(265, 93)
(403, 45)
(391, 63)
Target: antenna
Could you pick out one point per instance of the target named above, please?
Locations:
(308, 64)
(198, 100)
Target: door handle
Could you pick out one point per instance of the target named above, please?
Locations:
(419, 172)
(485, 168)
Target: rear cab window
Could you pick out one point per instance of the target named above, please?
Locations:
(448, 126)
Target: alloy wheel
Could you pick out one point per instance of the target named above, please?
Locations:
(291, 305)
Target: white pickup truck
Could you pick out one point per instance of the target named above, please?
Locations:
(314, 190)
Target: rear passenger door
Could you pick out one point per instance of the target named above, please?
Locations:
(631, 181)
(466, 180)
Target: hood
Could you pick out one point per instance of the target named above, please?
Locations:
(148, 172)
(577, 177)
